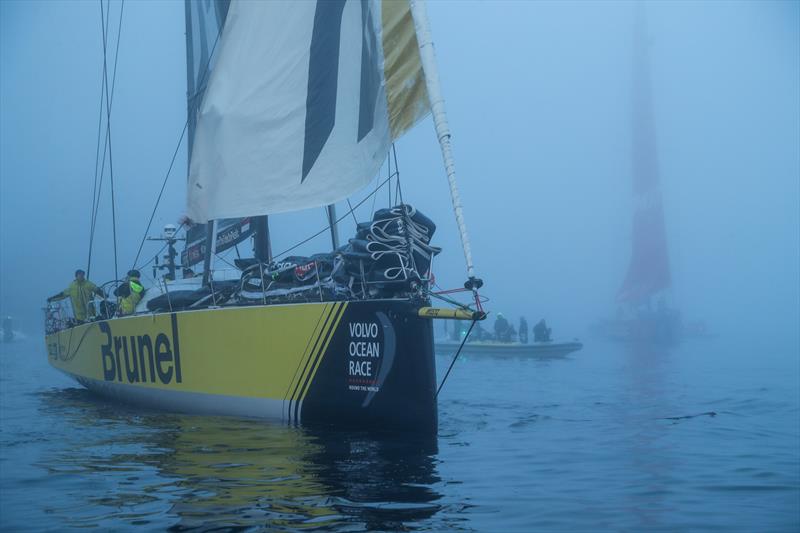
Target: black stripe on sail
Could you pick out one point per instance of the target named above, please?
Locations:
(323, 74)
(370, 74)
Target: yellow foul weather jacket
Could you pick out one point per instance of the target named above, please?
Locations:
(80, 293)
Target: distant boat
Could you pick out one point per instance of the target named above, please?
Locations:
(543, 350)
(645, 312)
(9, 334)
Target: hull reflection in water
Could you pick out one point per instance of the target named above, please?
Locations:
(219, 472)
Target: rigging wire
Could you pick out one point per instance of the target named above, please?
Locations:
(374, 198)
(97, 189)
(373, 194)
(355, 220)
(161, 192)
(377, 177)
(399, 191)
(99, 124)
(94, 186)
(180, 141)
(463, 341)
(389, 162)
(328, 227)
(222, 258)
(108, 126)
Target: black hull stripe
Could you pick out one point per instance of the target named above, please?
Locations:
(319, 356)
(337, 315)
(317, 346)
(325, 313)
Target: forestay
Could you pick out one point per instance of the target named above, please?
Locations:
(302, 104)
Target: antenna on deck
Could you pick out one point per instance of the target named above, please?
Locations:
(169, 235)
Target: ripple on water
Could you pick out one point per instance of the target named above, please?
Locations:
(607, 442)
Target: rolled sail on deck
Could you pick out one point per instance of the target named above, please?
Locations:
(302, 105)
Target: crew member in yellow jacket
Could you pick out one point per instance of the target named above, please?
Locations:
(80, 294)
(129, 293)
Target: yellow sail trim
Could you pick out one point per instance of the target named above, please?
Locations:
(406, 94)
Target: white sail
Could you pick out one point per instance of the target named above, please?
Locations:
(204, 22)
(302, 105)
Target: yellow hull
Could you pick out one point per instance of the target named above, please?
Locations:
(336, 362)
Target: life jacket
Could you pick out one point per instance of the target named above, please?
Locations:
(127, 305)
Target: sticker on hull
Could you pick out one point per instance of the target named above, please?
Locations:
(370, 354)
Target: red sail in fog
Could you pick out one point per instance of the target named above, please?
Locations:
(648, 271)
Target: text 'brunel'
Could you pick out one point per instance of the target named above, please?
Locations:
(141, 358)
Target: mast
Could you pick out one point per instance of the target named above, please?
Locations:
(428, 58)
(211, 231)
(262, 247)
(331, 211)
(190, 120)
(210, 19)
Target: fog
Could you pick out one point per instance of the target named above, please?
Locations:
(539, 97)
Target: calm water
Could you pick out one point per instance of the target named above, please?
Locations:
(703, 437)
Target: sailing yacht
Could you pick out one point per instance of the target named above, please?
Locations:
(645, 312)
(291, 106)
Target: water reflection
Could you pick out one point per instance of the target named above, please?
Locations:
(189, 472)
(650, 452)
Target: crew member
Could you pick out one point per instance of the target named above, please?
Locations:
(480, 333)
(523, 330)
(130, 293)
(8, 333)
(541, 333)
(502, 331)
(80, 294)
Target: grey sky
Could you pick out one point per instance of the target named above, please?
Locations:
(538, 95)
